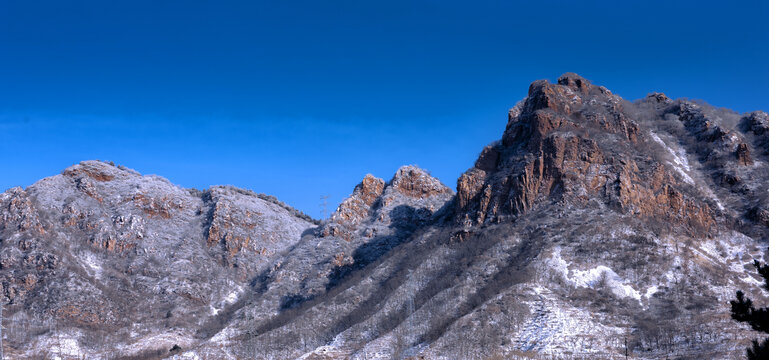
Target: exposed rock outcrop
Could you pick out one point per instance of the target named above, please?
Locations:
(18, 213)
(357, 206)
(550, 153)
(414, 182)
(743, 154)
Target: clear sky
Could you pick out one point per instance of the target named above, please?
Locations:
(302, 99)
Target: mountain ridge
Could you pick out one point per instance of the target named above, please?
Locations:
(627, 223)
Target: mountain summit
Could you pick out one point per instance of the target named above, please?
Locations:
(594, 227)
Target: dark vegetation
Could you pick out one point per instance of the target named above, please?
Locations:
(758, 318)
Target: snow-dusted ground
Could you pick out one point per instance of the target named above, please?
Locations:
(557, 328)
(61, 346)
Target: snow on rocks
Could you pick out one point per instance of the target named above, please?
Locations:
(680, 163)
(592, 278)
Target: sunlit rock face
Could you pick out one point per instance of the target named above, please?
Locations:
(594, 227)
(573, 142)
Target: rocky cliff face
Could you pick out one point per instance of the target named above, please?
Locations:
(573, 142)
(594, 227)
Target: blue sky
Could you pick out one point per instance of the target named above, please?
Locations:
(302, 99)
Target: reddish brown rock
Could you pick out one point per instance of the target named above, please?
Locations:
(469, 185)
(488, 159)
(356, 207)
(76, 314)
(95, 170)
(657, 197)
(18, 212)
(561, 159)
(743, 155)
(369, 189)
(157, 206)
(411, 196)
(414, 182)
(552, 154)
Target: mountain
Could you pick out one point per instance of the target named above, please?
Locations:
(593, 228)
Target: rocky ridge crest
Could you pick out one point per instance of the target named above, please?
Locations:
(628, 223)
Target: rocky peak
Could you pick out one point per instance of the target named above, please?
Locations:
(357, 206)
(375, 200)
(576, 82)
(93, 169)
(659, 97)
(375, 219)
(758, 123)
(725, 141)
(568, 143)
(119, 210)
(369, 189)
(572, 103)
(411, 181)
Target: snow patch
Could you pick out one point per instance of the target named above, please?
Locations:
(650, 291)
(92, 265)
(229, 299)
(751, 280)
(159, 341)
(592, 278)
(331, 350)
(731, 249)
(233, 296)
(680, 162)
(222, 337)
(62, 346)
(68, 347)
(191, 355)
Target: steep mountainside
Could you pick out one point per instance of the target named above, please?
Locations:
(594, 228)
(101, 257)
